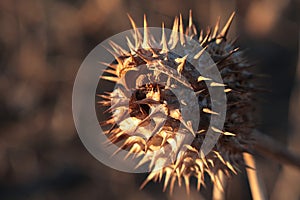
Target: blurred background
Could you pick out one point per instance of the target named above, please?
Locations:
(42, 44)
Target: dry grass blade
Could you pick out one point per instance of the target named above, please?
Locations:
(255, 184)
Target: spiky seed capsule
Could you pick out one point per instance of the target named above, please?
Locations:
(147, 121)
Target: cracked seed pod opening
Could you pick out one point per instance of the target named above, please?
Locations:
(151, 110)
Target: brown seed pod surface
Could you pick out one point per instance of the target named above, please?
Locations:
(146, 115)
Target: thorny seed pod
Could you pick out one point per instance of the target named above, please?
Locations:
(146, 121)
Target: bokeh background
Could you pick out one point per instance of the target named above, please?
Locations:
(42, 44)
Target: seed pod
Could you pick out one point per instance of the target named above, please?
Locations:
(147, 116)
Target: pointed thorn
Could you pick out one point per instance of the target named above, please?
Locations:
(109, 78)
(190, 19)
(207, 110)
(216, 130)
(172, 184)
(201, 131)
(164, 41)
(187, 184)
(145, 44)
(198, 55)
(231, 167)
(174, 36)
(167, 178)
(202, 78)
(181, 62)
(117, 48)
(198, 181)
(216, 29)
(227, 90)
(223, 34)
(189, 147)
(114, 54)
(131, 21)
(130, 45)
(206, 39)
(107, 64)
(109, 71)
(214, 84)
(182, 39)
(137, 35)
(201, 36)
(229, 134)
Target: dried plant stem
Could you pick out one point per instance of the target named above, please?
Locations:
(267, 147)
(255, 184)
(218, 192)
